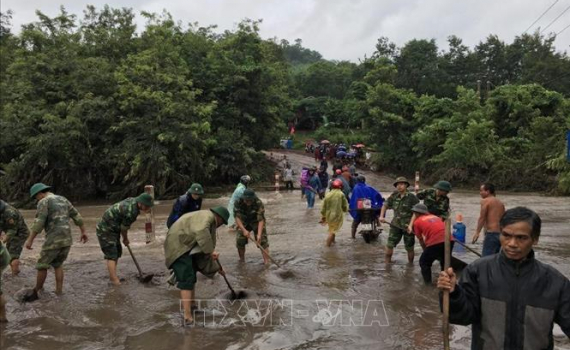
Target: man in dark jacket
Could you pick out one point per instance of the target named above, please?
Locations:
(189, 202)
(510, 298)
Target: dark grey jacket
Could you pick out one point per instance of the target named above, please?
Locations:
(511, 305)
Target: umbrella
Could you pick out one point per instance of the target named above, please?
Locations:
(340, 153)
(325, 141)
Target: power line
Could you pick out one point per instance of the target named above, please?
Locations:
(554, 20)
(538, 19)
(568, 26)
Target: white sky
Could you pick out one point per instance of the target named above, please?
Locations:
(343, 29)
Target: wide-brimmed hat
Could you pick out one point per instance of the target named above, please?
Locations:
(245, 179)
(37, 188)
(196, 188)
(337, 184)
(248, 194)
(420, 208)
(221, 212)
(443, 186)
(145, 199)
(401, 179)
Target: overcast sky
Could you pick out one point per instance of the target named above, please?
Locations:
(344, 29)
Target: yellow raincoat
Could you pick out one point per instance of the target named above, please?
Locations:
(334, 207)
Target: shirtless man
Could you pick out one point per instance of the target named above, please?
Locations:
(492, 210)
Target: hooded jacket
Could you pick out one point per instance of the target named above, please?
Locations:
(511, 304)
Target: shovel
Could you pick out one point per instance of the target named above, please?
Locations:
(142, 277)
(457, 264)
(240, 295)
(264, 252)
(283, 273)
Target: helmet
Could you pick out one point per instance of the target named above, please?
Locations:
(37, 188)
(338, 172)
(221, 212)
(420, 208)
(245, 179)
(443, 186)
(337, 184)
(196, 188)
(145, 199)
(361, 179)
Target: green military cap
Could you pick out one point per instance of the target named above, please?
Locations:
(401, 179)
(37, 188)
(196, 188)
(221, 212)
(248, 194)
(443, 185)
(145, 199)
(420, 208)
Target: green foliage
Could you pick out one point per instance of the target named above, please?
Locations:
(97, 109)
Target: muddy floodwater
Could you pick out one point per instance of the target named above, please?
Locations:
(343, 297)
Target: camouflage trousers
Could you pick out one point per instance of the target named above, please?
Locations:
(16, 243)
(241, 240)
(110, 242)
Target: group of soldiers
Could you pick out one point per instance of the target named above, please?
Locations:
(189, 246)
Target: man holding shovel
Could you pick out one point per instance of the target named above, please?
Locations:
(430, 231)
(249, 214)
(114, 224)
(189, 247)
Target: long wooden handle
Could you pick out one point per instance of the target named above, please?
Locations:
(468, 248)
(264, 251)
(446, 263)
(135, 260)
(225, 278)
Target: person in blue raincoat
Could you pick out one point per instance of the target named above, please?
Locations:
(362, 191)
(238, 192)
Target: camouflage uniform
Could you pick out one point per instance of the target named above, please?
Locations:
(250, 216)
(116, 219)
(436, 206)
(17, 232)
(402, 207)
(53, 215)
(4, 262)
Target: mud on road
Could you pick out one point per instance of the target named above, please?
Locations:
(335, 298)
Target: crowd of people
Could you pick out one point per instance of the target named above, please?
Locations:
(510, 298)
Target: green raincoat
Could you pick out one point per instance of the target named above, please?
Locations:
(194, 233)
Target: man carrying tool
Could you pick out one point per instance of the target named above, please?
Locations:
(17, 232)
(401, 201)
(511, 299)
(250, 216)
(361, 192)
(114, 224)
(190, 247)
(53, 215)
(430, 231)
(436, 199)
(4, 262)
(334, 207)
(238, 192)
(189, 202)
(492, 210)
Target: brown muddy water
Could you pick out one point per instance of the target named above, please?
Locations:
(332, 298)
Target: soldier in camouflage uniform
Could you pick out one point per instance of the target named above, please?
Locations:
(53, 216)
(4, 261)
(436, 199)
(116, 222)
(13, 224)
(401, 201)
(249, 214)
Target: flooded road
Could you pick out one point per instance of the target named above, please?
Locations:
(332, 298)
